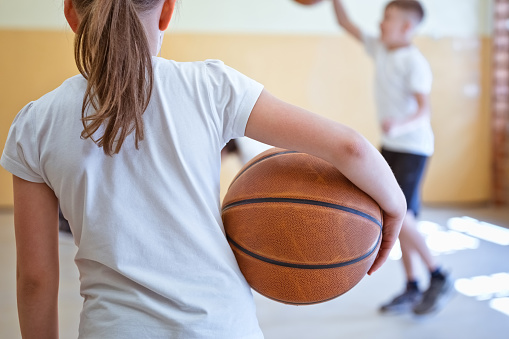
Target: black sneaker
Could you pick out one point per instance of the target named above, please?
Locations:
(435, 297)
(402, 303)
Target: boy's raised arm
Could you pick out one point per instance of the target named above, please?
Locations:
(344, 20)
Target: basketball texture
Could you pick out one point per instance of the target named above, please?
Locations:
(308, 2)
(301, 232)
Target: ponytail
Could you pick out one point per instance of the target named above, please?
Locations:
(112, 52)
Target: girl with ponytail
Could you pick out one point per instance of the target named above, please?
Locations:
(130, 148)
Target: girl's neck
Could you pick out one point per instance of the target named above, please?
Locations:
(152, 31)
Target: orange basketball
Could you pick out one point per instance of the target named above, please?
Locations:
(301, 232)
(308, 2)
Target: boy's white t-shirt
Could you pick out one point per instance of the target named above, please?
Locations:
(153, 258)
(399, 75)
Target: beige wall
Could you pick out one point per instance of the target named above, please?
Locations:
(450, 18)
(327, 74)
(31, 64)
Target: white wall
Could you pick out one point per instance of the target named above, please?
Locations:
(32, 14)
(446, 17)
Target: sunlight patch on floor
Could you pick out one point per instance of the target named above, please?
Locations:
(440, 240)
(479, 229)
(465, 233)
(484, 287)
(494, 288)
(501, 305)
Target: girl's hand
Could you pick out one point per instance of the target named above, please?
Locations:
(390, 232)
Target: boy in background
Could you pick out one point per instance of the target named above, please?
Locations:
(402, 85)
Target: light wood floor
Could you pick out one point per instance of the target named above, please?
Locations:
(353, 315)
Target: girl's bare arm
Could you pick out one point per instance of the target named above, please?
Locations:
(277, 123)
(37, 271)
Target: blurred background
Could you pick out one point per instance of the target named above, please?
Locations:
(302, 56)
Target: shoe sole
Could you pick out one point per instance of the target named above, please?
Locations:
(395, 311)
(401, 309)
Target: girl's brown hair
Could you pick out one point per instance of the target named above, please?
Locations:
(112, 52)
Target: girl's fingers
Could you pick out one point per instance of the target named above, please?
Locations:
(390, 234)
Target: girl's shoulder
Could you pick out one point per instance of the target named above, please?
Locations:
(69, 90)
(188, 66)
(212, 72)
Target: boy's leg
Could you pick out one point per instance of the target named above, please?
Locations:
(404, 167)
(409, 171)
(411, 295)
(409, 256)
(412, 244)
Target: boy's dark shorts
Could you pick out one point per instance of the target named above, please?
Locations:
(409, 171)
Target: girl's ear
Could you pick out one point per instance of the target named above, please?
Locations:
(166, 14)
(71, 16)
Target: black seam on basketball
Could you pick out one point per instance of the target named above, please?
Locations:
(304, 202)
(304, 266)
(258, 161)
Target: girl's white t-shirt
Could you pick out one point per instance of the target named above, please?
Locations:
(152, 255)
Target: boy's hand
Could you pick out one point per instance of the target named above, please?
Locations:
(396, 127)
(388, 125)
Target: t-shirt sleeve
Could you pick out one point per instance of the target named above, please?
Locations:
(420, 77)
(20, 156)
(370, 44)
(233, 95)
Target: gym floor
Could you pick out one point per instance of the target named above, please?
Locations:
(467, 240)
